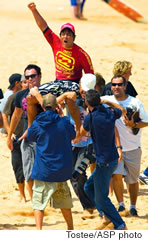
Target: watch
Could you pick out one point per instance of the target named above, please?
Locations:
(119, 146)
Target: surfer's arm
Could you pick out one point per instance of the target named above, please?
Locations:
(42, 24)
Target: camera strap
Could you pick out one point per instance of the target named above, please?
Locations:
(90, 127)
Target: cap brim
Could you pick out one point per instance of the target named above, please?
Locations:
(69, 29)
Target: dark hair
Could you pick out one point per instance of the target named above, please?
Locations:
(120, 76)
(30, 66)
(99, 80)
(92, 97)
(48, 108)
(74, 36)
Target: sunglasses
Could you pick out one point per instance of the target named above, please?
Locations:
(31, 76)
(117, 84)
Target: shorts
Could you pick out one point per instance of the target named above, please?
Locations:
(74, 2)
(58, 193)
(16, 160)
(28, 156)
(58, 87)
(129, 167)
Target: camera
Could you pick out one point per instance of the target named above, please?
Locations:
(129, 113)
(136, 118)
(80, 169)
(89, 153)
(89, 157)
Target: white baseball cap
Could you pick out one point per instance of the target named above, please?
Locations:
(88, 81)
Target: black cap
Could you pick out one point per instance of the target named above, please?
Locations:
(16, 77)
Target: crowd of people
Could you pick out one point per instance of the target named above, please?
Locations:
(101, 129)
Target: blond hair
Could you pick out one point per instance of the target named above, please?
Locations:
(122, 67)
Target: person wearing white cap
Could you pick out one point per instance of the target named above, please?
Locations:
(88, 81)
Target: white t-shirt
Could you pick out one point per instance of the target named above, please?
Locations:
(4, 100)
(129, 141)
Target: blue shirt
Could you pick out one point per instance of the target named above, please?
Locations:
(53, 155)
(103, 133)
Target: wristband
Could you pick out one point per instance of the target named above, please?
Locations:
(119, 146)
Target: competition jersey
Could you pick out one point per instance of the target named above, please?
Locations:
(69, 63)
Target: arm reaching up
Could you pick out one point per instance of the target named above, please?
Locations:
(38, 18)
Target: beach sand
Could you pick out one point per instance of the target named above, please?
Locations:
(107, 36)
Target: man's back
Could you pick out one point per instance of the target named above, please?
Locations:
(53, 135)
(102, 132)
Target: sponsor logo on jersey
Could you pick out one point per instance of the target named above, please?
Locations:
(65, 61)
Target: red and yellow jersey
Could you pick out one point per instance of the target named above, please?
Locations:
(69, 63)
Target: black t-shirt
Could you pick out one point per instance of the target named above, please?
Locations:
(21, 102)
(130, 90)
(9, 109)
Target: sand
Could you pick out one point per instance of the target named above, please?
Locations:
(108, 37)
